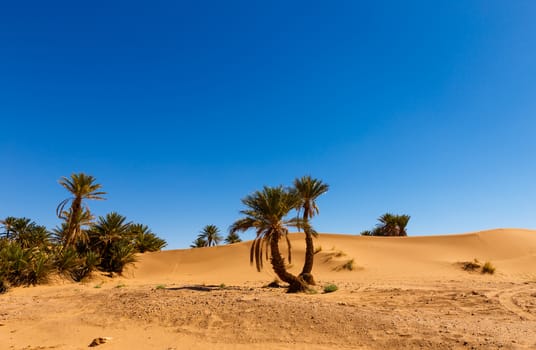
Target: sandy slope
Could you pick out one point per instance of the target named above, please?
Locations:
(403, 293)
(513, 252)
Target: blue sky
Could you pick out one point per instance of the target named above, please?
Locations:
(181, 108)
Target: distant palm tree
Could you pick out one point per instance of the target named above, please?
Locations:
(389, 225)
(25, 232)
(232, 237)
(198, 243)
(393, 225)
(81, 186)
(211, 235)
(8, 226)
(309, 190)
(266, 213)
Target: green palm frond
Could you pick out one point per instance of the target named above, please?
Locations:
(81, 187)
(266, 212)
(211, 235)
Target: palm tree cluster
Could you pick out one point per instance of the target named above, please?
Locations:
(389, 225)
(29, 253)
(268, 213)
(26, 252)
(210, 236)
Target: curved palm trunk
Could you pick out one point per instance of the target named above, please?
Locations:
(296, 284)
(76, 207)
(309, 258)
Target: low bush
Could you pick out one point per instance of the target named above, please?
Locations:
(488, 268)
(471, 265)
(330, 288)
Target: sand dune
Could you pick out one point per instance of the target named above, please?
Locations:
(403, 293)
(512, 251)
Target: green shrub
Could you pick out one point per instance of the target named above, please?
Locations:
(3, 286)
(330, 288)
(160, 286)
(67, 260)
(88, 263)
(488, 268)
(24, 266)
(39, 268)
(122, 255)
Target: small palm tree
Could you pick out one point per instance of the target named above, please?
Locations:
(145, 240)
(211, 235)
(81, 186)
(112, 239)
(266, 213)
(389, 225)
(198, 243)
(232, 237)
(309, 190)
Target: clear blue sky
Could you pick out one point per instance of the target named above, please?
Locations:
(181, 108)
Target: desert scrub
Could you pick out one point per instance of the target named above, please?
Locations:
(160, 286)
(330, 288)
(471, 265)
(334, 254)
(488, 268)
(349, 265)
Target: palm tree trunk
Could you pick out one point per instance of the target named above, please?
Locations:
(309, 258)
(296, 284)
(73, 222)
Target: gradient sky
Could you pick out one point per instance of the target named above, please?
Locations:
(181, 108)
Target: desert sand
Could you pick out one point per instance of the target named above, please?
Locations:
(402, 293)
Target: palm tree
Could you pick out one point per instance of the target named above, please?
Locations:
(266, 213)
(393, 225)
(198, 243)
(8, 225)
(211, 235)
(389, 225)
(309, 190)
(109, 229)
(81, 186)
(84, 219)
(232, 237)
(112, 239)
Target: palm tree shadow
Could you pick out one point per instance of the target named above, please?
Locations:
(202, 288)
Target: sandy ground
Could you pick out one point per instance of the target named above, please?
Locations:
(403, 293)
